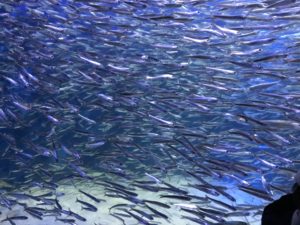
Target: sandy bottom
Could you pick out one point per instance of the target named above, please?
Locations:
(103, 217)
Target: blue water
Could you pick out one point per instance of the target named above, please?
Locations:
(134, 77)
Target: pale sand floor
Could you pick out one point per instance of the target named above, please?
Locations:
(102, 216)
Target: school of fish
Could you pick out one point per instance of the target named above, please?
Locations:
(125, 94)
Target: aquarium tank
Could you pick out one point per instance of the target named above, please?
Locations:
(155, 112)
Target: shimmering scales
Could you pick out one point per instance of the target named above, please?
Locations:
(147, 111)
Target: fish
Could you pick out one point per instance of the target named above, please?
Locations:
(223, 204)
(142, 108)
(256, 192)
(93, 62)
(179, 197)
(70, 221)
(166, 206)
(87, 205)
(266, 185)
(11, 219)
(90, 196)
(144, 214)
(156, 212)
(194, 219)
(220, 70)
(138, 218)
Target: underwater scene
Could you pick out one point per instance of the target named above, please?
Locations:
(155, 112)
